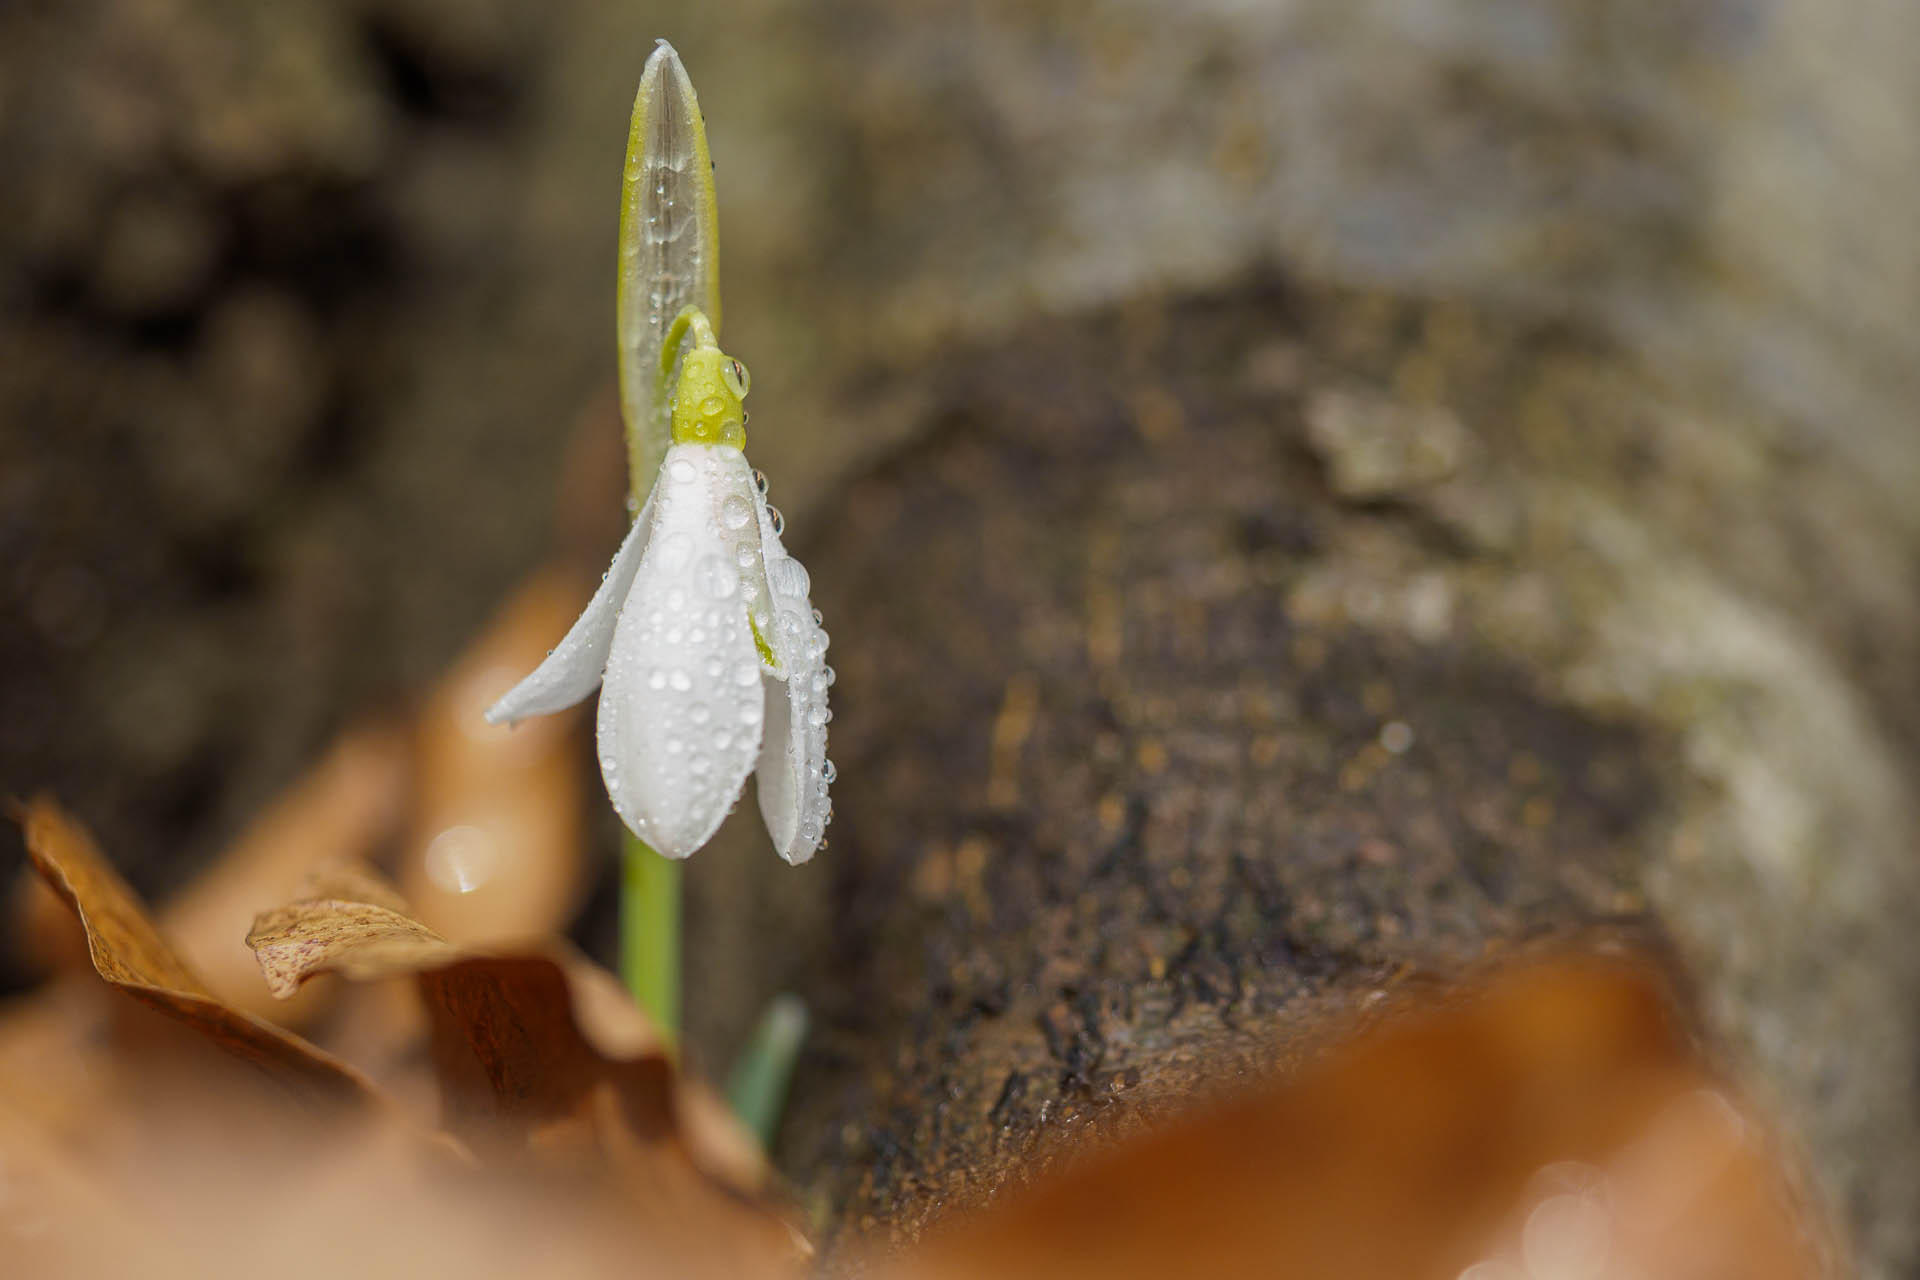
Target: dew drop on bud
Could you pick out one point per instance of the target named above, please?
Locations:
(675, 550)
(718, 579)
(788, 577)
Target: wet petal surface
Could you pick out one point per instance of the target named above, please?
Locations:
(794, 773)
(681, 714)
(572, 670)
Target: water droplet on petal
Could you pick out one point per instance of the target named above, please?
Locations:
(788, 577)
(676, 549)
(718, 580)
(680, 680)
(699, 713)
(746, 673)
(675, 746)
(760, 482)
(682, 471)
(656, 679)
(828, 773)
(735, 512)
(778, 521)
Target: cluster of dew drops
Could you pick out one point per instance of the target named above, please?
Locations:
(786, 577)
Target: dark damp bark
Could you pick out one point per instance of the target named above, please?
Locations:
(1203, 673)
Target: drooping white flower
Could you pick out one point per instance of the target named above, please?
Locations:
(710, 659)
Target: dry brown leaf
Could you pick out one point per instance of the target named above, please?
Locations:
(538, 1054)
(345, 807)
(183, 1175)
(127, 950)
(364, 1209)
(342, 808)
(1509, 1128)
(496, 853)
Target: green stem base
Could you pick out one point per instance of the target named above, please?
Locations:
(758, 1087)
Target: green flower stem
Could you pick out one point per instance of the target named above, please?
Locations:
(650, 932)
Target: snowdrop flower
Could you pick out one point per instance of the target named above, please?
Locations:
(710, 659)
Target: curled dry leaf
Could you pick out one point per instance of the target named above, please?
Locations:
(540, 1057)
(495, 852)
(1556, 1122)
(126, 949)
(344, 807)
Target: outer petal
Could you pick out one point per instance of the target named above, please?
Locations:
(794, 772)
(572, 668)
(680, 717)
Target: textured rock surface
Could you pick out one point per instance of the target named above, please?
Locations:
(1286, 644)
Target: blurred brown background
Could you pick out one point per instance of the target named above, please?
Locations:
(300, 305)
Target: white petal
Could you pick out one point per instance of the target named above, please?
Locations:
(572, 670)
(793, 772)
(680, 717)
